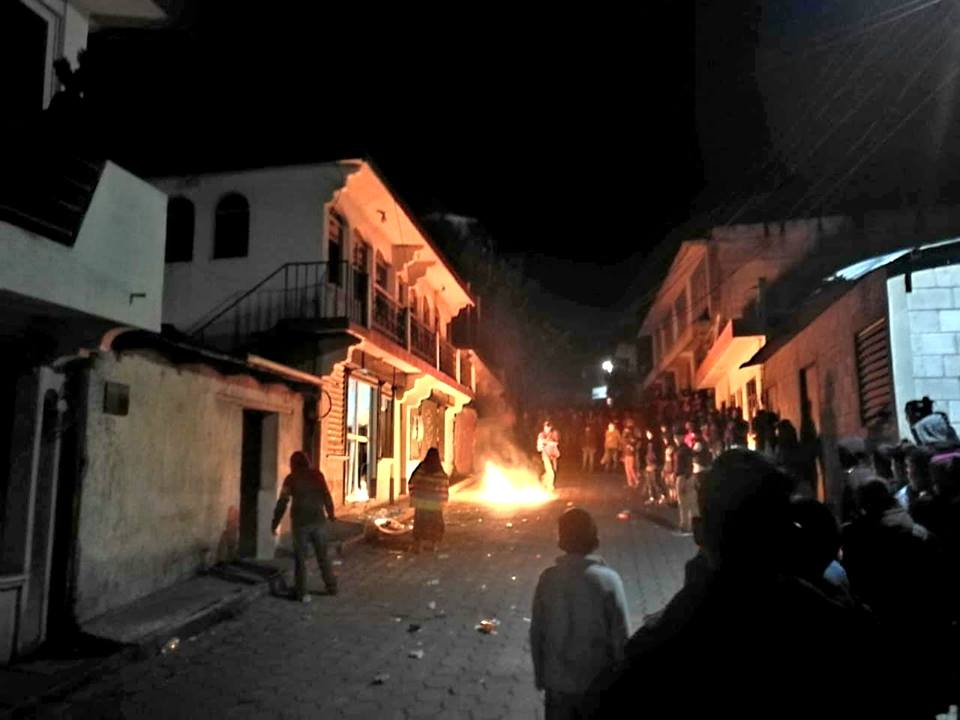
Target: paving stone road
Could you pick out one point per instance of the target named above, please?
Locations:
(286, 660)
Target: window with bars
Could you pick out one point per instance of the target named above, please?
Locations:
(873, 371)
(382, 271)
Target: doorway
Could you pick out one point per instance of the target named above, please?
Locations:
(361, 414)
(251, 463)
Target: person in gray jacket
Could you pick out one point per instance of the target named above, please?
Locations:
(579, 625)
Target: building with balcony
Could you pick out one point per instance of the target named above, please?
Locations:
(707, 317)
(81, 250)
(320, 271)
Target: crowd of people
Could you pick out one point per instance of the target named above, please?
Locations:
(784, 610)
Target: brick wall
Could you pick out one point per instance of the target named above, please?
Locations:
(925, 332)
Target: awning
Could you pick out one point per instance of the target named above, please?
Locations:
(738, 342)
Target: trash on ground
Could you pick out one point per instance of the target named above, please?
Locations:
(416, 654)
(380, 679)
(483, 587)
(443, 556)
(526, 620)
(338, 562)
(509, 524)
(432, 605)
(435, 581)
(170, 645)
(397, 619)
(440, 614)
(413, 627)
(488, 626)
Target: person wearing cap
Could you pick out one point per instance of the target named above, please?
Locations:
(312, 506)
(579, 623)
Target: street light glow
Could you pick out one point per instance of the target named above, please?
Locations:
(607, 366)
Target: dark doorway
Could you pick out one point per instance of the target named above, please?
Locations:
(250, 481)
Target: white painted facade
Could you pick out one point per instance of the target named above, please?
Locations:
(113, 272)
(289, 222)
(294, 212)
(56, 300)
(161, 499)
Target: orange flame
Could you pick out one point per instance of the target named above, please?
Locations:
(503, 487)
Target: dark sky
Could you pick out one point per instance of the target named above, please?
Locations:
(570, 134)
(579, 138)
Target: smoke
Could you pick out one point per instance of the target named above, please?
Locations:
(495, 442)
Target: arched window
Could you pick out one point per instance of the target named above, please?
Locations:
(181, 217)
(231, 235)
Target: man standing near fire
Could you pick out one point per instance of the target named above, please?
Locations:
(548, 445)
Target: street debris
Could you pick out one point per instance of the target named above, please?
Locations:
(526, 620)
(488, 626)
(413, 627)
(338, 562)
(397, 619)
(513, 577)
(509, 524)
(623, 515)
(170, 645)
(483, 587)
(432, 605)
(489, 555)
(440, 614)
(569, 504)
(524, 520)
(416, 654)
(380, 679)
(443, 556)
(435, 581)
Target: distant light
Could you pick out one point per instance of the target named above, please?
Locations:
(599, 393)
(607, 366)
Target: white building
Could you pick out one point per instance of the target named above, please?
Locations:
(322, 270)
(81, 247)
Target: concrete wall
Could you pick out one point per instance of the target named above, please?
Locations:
(829, 343)
(925, 337)
(286, 225)
(118, 255)
(161, 491)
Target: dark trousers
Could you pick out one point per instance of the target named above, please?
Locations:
(317, 536)
(563, 706)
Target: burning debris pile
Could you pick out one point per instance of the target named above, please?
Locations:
(509, 479)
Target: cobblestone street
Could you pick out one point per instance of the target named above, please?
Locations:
(284, 659)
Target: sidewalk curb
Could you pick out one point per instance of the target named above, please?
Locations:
(141, 650)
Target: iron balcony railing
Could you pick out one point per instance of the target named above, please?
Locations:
(326, 291)
(389, 317)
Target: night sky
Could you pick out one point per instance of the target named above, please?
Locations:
(570, 135)
(579, 139)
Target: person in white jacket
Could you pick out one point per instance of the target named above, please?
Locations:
(579, 624)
